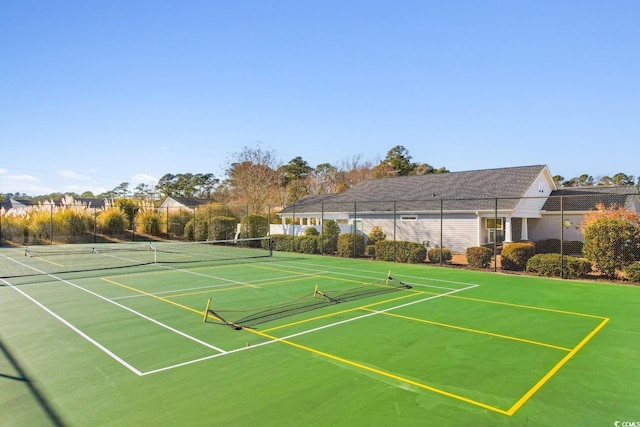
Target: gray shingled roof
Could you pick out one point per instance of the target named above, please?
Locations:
(461, 191)
(191, 202)
(586, 198)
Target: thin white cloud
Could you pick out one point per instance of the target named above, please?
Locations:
(143, 177)
(73, 175)
(3, 171)
(26, 184)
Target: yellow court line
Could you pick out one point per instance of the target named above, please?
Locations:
(49, 261)
(152, 295)
(206, 291)
(553, 310)
(399, 378)
(233, 286)
(555, 369)
(476, 331)
(319, 276)
(364, 307)
(382, 373)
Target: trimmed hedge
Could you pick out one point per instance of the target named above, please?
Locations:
(251, 227)
(306, 244)
(329, 237)
(632, 272)
(552, 246)
(222, 228)
(282, 242)
(409, 252)
(434, 255)
(479, 256)
(516, 255)
(346, 245)
(549, 265)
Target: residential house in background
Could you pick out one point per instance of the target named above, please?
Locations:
(458, 210)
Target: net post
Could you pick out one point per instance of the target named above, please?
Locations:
(315, 291)
(206, 310)
(388, 277)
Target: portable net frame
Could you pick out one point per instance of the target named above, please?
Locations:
(250, 318)
(83, 259)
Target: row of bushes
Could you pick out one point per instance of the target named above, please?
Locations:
(351, 245)
(43, 225)
(523, 257)
(526, 257)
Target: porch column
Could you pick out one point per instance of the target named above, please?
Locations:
(524, 233)
(508, 235)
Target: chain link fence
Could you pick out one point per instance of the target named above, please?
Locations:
(553, 224)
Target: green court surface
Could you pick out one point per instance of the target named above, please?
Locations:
(134, 345)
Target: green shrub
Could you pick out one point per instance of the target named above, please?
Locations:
(282, 242)
(253, 226)
(370, 250)
(196, 229)
(549, 265)
(346, 244)
(176, 221)
(409, 252)
(611, 243)
(479, 256)
(306, 244)
(516, 255)
(552, 246)
(632, 272)
(129, 208)
(375, 235)
(329, 237)
(222, 228)
(311, 231)
(148, 222)
(434, 255)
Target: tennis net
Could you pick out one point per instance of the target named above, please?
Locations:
(212, 250)
(73, 258)
(43, 260)
(239, 319)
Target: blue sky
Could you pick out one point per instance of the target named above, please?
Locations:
(96, 93)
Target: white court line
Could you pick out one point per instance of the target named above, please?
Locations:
(376, 278)
(373, 313)
(222, 352)
(76, 330)
(176, 331)
(254, 283)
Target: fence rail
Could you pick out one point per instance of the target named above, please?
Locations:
(553, 224)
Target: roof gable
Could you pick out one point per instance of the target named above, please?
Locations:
(189, 202)
(586, 198)
(489, 183)
(466, 190)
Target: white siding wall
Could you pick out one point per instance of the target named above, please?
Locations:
(549, 227)
(534, 198)
(458, 231)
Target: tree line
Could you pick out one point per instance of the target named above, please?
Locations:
(255, 176)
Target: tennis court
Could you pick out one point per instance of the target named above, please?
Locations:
(197, 334)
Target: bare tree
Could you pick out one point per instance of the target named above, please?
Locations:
(253, 178)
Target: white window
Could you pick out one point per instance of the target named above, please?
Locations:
(493, 226)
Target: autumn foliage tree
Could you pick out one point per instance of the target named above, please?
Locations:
(611, 239)
(253, 178)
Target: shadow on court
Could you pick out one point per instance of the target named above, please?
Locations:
(16, 373)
